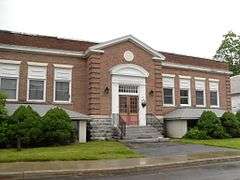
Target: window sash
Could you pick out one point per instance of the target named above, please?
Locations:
(184, 98)
(200, 98)
(62, 91)
(214, 98)
(36, 89)
(168, 96)
(9, 89)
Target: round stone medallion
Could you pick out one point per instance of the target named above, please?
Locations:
(128, 56)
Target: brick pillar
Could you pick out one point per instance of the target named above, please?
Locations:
(158, 87)
(94, 84)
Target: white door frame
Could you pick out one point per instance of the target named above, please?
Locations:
(133, 75)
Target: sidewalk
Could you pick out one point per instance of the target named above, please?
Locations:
(53, 168)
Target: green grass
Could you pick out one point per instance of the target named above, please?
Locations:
(228, 143)
(95, 150)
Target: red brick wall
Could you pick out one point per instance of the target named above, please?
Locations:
(79, 78)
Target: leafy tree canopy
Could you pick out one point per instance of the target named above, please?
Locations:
(229, 51)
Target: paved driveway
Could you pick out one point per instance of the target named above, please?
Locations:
(172, 148)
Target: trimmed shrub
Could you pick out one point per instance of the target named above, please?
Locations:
(57, 128)
(3, 122)
(195, 133)
(3, 98)
(210, 123)
(25, 124)
(231, 124)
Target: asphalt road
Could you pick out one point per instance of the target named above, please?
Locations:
(222, 171)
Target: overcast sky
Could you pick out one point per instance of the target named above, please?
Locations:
(191, 27)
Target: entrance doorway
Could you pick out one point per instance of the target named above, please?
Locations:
(128, 109)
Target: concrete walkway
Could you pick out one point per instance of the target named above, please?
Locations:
(33, 169)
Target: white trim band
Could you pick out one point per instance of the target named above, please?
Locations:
(197, 68)
(40, 50)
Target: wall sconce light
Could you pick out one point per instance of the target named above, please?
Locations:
(106, 90)
(151, 93)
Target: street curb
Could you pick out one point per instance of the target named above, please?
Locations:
(113, 171)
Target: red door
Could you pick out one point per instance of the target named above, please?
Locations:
(128, 109)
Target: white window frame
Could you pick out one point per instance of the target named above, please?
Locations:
(169, 87)
(217, 90)
(16, 76)
(44, 79)
(62, 66)
(201, 89)
(189, 90)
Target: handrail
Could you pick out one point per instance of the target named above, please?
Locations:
(122, 127)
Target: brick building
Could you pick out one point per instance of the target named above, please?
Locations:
(121, 80)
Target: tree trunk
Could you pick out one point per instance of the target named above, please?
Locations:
(19, 144)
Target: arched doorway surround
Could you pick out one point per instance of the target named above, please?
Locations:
(129, 88)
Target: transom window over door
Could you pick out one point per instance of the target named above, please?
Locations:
(185, 91)
(37, 75)
(62, 84)
(128, 88)
(9, 76)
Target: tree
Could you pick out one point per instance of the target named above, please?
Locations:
(229, 51)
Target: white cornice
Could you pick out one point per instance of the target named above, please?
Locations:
(196, 68)
(40, 50)
(5, 61)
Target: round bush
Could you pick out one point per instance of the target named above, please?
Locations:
(25, 124)
(231, 124)
(57, 127)
(210, 123)
(195, 133)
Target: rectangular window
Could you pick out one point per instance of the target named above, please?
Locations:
(168, 90)
(168, 95)
(200, 92)
(185, 91)
(36, 89)
(184, 97)
(214, 98)
(9, 75)
(62, 91)
(36, 81)
(62, 86)
(9, 87)
(199, 97)
(128, 88)
(214, 93)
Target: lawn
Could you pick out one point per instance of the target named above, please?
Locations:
(95, 150)
(228, 143)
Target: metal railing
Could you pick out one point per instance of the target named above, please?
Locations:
(122, 126)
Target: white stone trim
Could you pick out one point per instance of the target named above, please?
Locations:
(37, 64)
(197, 68)
(214, 80)
(5, 61)
(63, 66)
(40, 50)
(199, 78)
(126, 38)
(184, 77)
(129, 70)
(168, 75)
